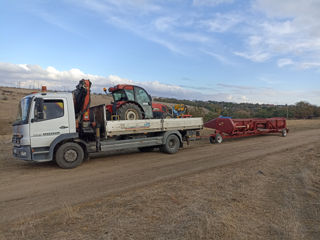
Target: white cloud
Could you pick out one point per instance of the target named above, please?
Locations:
(164, 23)
(307, 65)
(180, 32)
(286, 29)
(30, 76)
(257, 30)
(219, 57)
(222, 22)
(285, 62)
(254, 56)
(304, 9)
(192, 37)
(33, 76)
(269, 29)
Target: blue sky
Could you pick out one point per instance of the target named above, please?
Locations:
(260, 51)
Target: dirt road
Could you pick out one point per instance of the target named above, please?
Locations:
(28, 189)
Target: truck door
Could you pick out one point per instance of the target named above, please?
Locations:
(52, 123)
(143, 98)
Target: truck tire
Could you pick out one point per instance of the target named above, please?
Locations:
(218, 138)
(69, 155)
(172, 144)
(129, 111)
(211, 139)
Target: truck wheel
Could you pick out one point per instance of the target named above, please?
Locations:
(172, 144)
(69, 155)
(129, 111)
(211, 139)
(218, 138)
(146, 149)
(284, 132)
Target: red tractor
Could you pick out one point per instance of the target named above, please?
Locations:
(129, 103)
(132, 102)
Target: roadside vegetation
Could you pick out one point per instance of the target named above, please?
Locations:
(213, 109)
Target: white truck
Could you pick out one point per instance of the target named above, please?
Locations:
(46, 129)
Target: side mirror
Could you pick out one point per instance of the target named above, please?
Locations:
(39, 108)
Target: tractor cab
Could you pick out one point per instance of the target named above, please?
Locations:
(130, 103)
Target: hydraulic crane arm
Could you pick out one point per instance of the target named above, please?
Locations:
(81, 98)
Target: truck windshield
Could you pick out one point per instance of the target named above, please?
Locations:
(23, 111)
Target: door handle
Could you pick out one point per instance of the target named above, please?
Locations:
(63, 127)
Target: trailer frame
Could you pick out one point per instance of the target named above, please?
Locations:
(226, 128)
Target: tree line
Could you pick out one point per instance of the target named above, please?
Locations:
(212, 109)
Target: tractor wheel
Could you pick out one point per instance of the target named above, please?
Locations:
(129, 111)
(218, 138)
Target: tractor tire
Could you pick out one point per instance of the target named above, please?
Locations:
(172, 144)
(129, 111)
(69, 155)
(218, 139)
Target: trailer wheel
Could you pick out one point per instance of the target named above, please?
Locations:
(69, 155)
(129, 111)
(218, 138)
(172, 144)
(284, 132)
(211, 139)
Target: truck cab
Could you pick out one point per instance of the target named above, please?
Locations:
(41, 119)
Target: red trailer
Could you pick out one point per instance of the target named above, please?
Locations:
(231, 128)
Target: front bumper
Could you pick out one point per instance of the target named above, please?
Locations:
(22, 152)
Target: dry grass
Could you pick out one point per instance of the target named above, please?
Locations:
(276, 197)
(304, 124)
